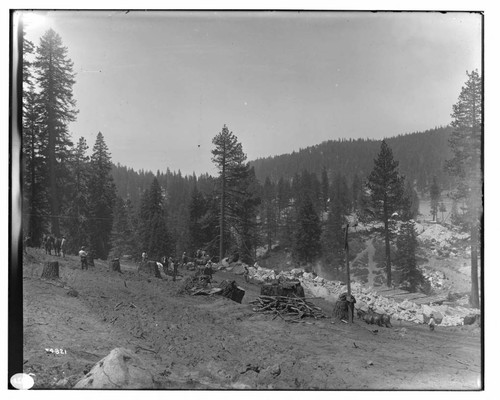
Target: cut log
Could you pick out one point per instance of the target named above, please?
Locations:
(150, 268)
(51, 270)
(115, 265)
(232, 291)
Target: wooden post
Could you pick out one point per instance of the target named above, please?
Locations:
(51, 270)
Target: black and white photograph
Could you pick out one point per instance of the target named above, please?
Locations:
(255, 200)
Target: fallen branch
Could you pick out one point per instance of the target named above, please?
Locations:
(144, 348)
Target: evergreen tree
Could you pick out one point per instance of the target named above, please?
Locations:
(411, 202)
(229, 158)
(55, 80)
(122, 234)
(28, 50)
(198, 208)
(33, 163)
(386, 188)
(325, 189)
(153, 233)
(76, 209)
(340, 193)
(282, 202)
(356, 189)
(466, 144)
(308, 234)
(101, 199)
(269, 212)
(410, 276)
(332, 239)
(435, 192)
(442, 210)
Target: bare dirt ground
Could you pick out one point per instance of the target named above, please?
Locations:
(201, 342)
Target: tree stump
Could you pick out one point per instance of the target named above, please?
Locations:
(286, 289)
(115, 265)
(150, 268)
(341, 307)
(51, 270)
(232, 291)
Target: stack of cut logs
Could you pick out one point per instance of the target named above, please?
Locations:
(295, 308)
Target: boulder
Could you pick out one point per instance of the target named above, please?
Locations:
(239, 268)
(308, 275)
(297, 271)
(470, 319)
(120, 369)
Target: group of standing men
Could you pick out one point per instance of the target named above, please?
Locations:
(57, 244)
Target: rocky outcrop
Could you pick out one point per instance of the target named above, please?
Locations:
(120, 369)
(367, 298)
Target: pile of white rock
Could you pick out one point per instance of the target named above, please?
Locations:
(316, 286)
(437, 279)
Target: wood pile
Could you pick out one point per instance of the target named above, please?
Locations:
(295, 308)
(194, 283)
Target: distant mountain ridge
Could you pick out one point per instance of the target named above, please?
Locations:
(421, 155)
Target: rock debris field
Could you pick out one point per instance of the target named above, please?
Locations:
(97, 329)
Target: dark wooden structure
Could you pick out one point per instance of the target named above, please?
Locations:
(232, 291)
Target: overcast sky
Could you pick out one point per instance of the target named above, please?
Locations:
(160, 85)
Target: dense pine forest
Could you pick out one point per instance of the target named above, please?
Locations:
(298, 201)
(422, 155)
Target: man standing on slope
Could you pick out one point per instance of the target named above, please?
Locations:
(83, 258)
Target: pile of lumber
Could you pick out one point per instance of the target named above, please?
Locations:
(295, 308)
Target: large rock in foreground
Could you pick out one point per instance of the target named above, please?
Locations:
(120, 369)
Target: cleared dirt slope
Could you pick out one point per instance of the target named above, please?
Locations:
(200, 342)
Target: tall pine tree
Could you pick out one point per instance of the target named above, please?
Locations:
(466, 144)
(197, 210)
(153, 233)
(229, 158)
(386, 189)
(101, 199)
(76, 210)
(410, 276)
(435, 192)
(55, 80)
(123, 236)
(308, 234)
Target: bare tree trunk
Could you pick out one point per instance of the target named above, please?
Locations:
(222, 205)
(388, 268)
(474, 295)
(51, 270)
